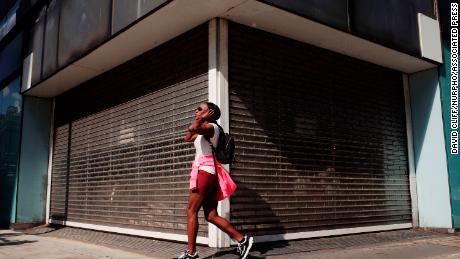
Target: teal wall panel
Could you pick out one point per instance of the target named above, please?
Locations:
(33, 169)
(453, 161)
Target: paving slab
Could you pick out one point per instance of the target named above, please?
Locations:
(437, 248)
(17, 245)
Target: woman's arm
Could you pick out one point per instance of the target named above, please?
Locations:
(190, 137)
(200, 127)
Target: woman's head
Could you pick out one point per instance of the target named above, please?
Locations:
(204, 107)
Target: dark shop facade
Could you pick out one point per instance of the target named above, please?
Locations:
(336, 108)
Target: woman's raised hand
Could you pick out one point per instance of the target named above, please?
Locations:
(207, 114)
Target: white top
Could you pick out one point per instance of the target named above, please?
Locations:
(204, 149)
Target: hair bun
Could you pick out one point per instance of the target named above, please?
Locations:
(216, 110)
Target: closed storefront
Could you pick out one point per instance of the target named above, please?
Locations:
(335, 115)
(119, 158)
(321, 138)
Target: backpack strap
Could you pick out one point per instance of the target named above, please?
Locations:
(213, 149)
(209, 139)
(213, 155)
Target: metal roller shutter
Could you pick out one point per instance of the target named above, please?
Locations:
(321, 138)
(127, 165)
(59, 172)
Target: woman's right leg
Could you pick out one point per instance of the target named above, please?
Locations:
(194, 203)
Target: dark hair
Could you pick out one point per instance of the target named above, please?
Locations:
(216, 110)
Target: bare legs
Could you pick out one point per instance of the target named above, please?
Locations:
(210, 213)
(194, 203)
(206, 197)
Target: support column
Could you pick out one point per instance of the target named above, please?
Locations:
(50, 165)
(410, 153)
(218, 94)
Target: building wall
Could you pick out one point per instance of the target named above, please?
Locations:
(10, 58)
(10, 111)
(33, 170)
(391, 23)
(453, 160)
(429, 150)
(59, 34)
(124, 84)
(10, 133)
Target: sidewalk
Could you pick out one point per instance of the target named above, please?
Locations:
(432, 248)
(48, 243)
(16, 245)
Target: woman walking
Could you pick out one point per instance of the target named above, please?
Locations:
(209, 182)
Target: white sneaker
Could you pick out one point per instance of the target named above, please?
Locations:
(245, 246)
(187, 255)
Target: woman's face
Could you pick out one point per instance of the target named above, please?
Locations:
(200, 110)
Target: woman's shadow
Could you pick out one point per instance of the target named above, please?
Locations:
(251, 219)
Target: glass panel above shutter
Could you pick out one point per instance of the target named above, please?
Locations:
(83, 25)
(127, 11)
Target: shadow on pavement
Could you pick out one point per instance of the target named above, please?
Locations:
(232, 254)
(4, 241)
(42, 230)
(265, 247)
(253, 220)
(10, 235)
(258, 251)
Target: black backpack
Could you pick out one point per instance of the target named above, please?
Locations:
(225, 150)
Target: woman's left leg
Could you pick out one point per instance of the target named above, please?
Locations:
(211, 215)
(210, 212)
